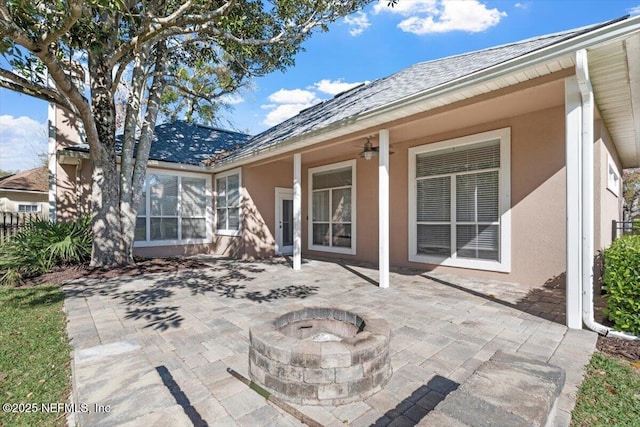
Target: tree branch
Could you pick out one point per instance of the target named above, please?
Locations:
(14, 82)
(74, 15)
(13, 32)
(167, 23)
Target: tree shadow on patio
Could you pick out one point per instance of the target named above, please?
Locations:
(224, 279)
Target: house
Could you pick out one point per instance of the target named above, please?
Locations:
(25, 191)
(502, 164)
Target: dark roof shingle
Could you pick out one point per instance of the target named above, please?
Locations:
(186, 143)
(410, 81)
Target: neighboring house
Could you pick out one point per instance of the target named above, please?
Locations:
(498, 164)
(25, 191)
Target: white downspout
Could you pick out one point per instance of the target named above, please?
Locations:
(586, 92)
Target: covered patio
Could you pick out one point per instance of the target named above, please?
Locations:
(155, 349)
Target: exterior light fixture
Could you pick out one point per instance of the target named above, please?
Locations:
(369, 150)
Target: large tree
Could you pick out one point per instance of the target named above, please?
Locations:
(183, 52)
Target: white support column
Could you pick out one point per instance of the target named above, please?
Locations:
(383, 209)
(297, 211)
(573, 141)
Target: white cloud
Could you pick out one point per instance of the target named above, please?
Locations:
(286, 103)
(358, 23)
(232, 99)
(634, 10)
(334, 87)
(22, 139)
(283, 112)
(441, 16)
(294, 96)
(522, 5)
(406, 8)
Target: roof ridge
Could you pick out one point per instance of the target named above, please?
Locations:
(201, 125)
(570, 33)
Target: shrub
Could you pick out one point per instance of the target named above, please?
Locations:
(42, 246)
(622, 283)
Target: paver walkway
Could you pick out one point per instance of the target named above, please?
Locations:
(153, 350)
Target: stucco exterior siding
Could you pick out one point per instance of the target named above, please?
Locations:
(537, 194)
(10, 200)
(260, 182)
(608, 204)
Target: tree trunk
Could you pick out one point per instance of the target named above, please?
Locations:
(109, 245)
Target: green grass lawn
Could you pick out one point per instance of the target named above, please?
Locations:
(34, 353)
(609, 395)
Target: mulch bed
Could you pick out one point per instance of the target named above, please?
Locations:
(619, 347)
(141, 266)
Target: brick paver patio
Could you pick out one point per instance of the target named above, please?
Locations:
(154, 349)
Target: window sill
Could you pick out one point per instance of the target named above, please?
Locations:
(335, 250)
(149, 244)
(229, 233)
(471, 264)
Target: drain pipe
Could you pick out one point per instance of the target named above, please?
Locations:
(586, 92)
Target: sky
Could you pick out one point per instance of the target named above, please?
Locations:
(362, 47)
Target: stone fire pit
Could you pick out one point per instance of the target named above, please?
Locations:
(320, 356)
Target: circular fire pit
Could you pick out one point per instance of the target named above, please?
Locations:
(320, 356)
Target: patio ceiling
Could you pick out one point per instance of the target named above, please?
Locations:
(615, 77)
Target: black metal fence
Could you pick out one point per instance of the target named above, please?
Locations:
(12, 222)
(618, 228)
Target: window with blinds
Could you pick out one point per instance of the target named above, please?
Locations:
(332, 219)
(173, 208)
(458, 201)
(228, 202)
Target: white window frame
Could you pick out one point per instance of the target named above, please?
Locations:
(31, 205)
(225, 232)
(179, 241)
(613, 176)
(504, 265)
(333, 249)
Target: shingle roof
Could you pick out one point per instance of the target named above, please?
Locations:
(415, 79)
(186, 143)
(30, 180)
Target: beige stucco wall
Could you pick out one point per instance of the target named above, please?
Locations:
(536, 117)
(537, 194)
(608, 204)
(257, 239)
(9, 201)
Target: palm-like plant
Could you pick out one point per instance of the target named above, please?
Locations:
(43, 245)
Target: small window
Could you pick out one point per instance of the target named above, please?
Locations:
(613, 177)
(28, 208)
(332, 208)
(228, 203)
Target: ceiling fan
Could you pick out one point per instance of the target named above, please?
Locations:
(369, 150)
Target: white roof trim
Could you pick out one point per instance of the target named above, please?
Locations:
(633, 61)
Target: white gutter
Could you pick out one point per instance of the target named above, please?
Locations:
(380, 115)
(586, 91)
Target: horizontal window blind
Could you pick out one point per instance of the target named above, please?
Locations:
(459, 159)
(465, 180)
